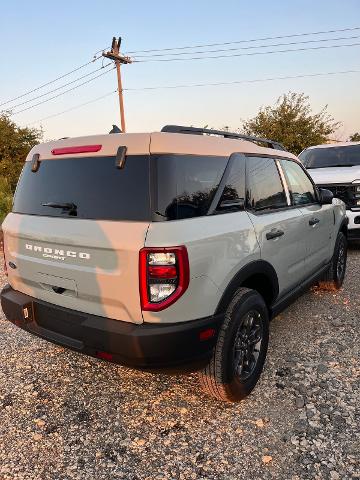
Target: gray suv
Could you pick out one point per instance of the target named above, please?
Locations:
(168, 250)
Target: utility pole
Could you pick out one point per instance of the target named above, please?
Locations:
(119, 59)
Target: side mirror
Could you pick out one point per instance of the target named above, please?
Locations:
(326, 197)
(232, 205)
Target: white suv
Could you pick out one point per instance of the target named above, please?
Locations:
(336, 167)
(168, 250)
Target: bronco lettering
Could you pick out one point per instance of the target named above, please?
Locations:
(57, 253)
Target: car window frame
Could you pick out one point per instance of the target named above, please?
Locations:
(282, 178)
(316, 189)
(214, 206)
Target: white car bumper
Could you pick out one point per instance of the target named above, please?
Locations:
(354, 224)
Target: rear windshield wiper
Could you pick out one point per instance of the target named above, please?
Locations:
(70, 208)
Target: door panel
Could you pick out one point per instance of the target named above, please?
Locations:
(318, 222)
(286, 253)
(279, 229)
(318, 228)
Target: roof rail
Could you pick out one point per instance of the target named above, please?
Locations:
(221, 133)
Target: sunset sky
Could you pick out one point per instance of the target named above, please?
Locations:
(40, 42)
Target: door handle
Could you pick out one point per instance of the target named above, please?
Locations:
(314, 221)
(275, 233)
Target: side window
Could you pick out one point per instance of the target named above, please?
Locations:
(185, 184)
(264, 189)
(301, 189)
(233, 196)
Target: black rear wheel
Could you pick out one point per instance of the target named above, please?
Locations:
(241, 348)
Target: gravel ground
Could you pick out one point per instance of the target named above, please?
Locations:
(67, 416)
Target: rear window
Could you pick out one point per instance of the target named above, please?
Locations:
(185, 184)
(93, 185)
(331, 157)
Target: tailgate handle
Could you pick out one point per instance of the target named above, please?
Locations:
(59, 290)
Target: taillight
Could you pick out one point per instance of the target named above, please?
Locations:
(2, 248)
(164, 276)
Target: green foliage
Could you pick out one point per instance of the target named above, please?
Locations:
(5, 199)
(355, 137)
(292, 122)
(15, 143)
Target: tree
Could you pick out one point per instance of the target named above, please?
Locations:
(15, 143)
(355, 137)
(292, 122)
(5, 199)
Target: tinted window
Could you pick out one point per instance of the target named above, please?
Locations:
(97, 188)
(301, 189)
(331, 157)
(234, 189)
(264, 188)
(185, 184)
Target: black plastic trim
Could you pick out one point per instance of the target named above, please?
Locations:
(222, 133)
(353, 233)
(220, 190)
(257, 267)
(143, 346)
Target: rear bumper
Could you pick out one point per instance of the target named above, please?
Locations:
(146, 346)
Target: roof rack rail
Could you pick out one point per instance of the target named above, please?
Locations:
(222, 133)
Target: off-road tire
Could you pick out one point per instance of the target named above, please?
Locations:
(220, 378)
(335, 274)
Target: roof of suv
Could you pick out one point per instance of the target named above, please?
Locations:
(155, 143)
(331, 145)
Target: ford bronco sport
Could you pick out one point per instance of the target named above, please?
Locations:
(168, 250)
(336, 167)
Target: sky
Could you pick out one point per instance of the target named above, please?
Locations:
(42, 40)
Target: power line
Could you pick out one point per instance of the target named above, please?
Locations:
(245, 41)
(249, 47)
(59, 88)
(269, 79)
(246, 54)
(74, 108)
(236, 82)
(101, 51)
(50, 82)
(62, 93)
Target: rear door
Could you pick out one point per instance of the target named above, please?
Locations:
(83, 257)
(279, 227)
(319, 220)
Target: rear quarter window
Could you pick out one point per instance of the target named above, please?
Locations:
(185, 184)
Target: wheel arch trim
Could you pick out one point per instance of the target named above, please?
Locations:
(256, 267)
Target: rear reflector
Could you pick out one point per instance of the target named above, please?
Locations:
(105, 356)
(206, 334)
(79, 149)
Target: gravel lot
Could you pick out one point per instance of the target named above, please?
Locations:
(67, 416)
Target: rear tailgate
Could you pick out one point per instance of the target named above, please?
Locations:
(86, 265)
(78, 224)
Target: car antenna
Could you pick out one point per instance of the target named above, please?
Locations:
(115, 129)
